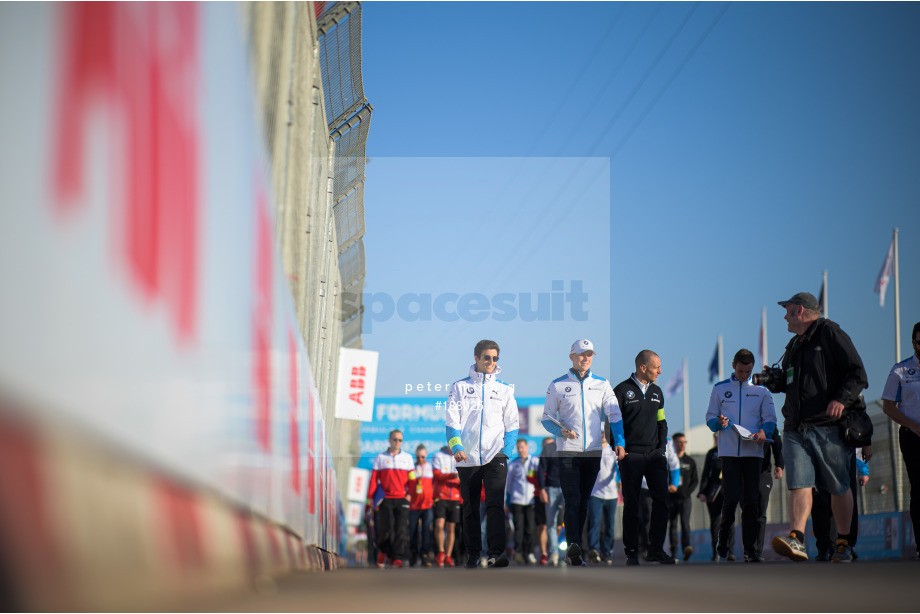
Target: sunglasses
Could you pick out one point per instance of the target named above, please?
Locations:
(396, 439)
(487, 358)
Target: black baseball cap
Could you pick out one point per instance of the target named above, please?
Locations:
(805, 299)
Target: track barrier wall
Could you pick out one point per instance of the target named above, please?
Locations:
(169, 328)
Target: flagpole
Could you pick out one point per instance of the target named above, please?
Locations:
(897, 304)
(763, 335)
(721, 372)
(686, 398)
(824, 293)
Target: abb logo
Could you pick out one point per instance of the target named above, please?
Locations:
(357, 384)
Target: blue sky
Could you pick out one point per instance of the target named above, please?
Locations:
(689, 164)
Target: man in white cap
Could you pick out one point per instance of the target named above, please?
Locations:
(576, 406)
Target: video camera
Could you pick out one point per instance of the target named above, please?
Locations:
(772, 378)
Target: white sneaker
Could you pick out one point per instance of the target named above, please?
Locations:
(554, 559)
(532, 559)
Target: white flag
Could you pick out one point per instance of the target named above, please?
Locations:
(885, 274)
(675, 383)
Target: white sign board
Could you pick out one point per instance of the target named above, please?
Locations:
(357, 484)
(355, 514)
(356, 385)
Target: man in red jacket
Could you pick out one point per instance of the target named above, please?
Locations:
(446, 505)
(421, 489)
(391, 472)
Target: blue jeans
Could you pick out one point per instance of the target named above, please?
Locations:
(426, 516)
(817, 456)
(601, 511)
(554, 505)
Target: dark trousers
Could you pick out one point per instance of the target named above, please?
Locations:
(680, 510)
(654, 467)
(393, 527)
(523, 517)
(910, 450)
(420, 532)
(645, 516)
(715, 521)
(740, 483)
(577, 473)
(822, 515)
(493, 476)
(766, 487)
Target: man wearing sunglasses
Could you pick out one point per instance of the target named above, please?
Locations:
(391, 472)
(901, 402)
(576, 405)
(482, 426)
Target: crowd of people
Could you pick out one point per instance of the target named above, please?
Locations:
(485, 500)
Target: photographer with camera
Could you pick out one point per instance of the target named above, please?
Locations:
(822, 375)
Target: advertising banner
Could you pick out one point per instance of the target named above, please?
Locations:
(356, 384)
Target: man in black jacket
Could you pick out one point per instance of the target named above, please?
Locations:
(822, 375)
(711, 494)
(550, 498)
(646, 430)
(680, 501)
(772, 453)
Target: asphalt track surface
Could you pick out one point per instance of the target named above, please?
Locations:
(781, 586)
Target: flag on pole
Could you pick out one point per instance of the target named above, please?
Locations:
(675, 383)
(881, 283)
(714, 365)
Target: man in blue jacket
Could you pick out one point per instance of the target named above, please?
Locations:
(482, 426)
(743, 417)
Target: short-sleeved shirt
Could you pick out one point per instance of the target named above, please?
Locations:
(903, 387)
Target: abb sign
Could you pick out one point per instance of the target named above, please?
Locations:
(356, 384)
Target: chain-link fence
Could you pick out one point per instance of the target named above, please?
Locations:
(349, 115)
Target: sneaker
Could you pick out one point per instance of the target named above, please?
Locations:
(789, 547)
(472, 563)
(483, 562)
(752, 557)
(714, 558)
(426, 562)
(498, 561)
(554, 559)
(531, 559)
(518, 558)
(632, 557)
(608, 559)
(842, 553)
(439, 561)
(823, 556)
(397, 563)
(660, 556)
(688, 552)
(730, 557)
(573, 556)
(544, 559)
(448, 562)
(594, 556)
(381, 560)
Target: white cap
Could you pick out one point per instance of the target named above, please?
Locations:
(581, 346)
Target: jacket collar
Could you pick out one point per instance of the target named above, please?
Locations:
(575, 375)
(476, 376)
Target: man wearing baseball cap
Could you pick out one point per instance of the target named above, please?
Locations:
(822, 376)
(576, 406)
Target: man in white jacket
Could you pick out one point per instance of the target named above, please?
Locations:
(743, 417)
(482, 426)
(576, 405)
